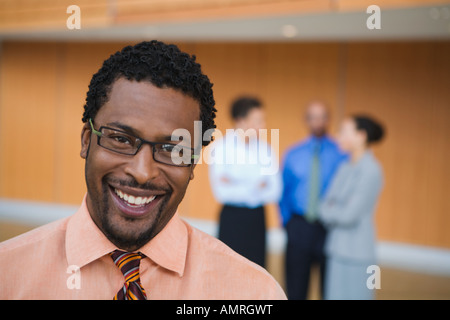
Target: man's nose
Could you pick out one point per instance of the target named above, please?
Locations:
(142, 166)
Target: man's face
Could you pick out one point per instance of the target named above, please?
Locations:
(255, 119)
(150, 113)
(317, 119)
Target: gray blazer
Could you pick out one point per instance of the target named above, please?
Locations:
(348, 207)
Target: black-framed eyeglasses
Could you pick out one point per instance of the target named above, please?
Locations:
(124, 143)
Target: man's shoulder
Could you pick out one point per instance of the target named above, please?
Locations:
(293, 152)
(232, 268)
(298, 147)
(35, 237)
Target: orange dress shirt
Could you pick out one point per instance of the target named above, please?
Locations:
(68, 259)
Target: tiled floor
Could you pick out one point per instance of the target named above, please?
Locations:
(395, 284)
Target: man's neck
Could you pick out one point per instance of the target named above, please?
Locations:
(319, 136)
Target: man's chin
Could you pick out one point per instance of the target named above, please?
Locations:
(126, 235)
(129, 231)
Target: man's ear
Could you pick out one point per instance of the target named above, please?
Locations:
(191, 175)
(85, 140)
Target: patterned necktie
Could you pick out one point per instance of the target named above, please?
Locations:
(128, 263)
(314, 186)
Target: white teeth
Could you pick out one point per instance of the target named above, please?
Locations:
(134, 200)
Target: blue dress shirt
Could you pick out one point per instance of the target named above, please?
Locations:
(297, 170)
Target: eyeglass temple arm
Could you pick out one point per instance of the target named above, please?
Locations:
(93, 130)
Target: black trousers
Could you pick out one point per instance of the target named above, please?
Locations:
(305, 247)
(244, 231)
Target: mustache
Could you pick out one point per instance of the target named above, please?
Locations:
(132, 183)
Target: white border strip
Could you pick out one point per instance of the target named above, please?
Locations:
(417, 258)
(33, 213)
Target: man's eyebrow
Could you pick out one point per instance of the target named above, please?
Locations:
(122, 126)
(133, 131)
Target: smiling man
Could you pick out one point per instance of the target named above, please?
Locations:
(127, 241)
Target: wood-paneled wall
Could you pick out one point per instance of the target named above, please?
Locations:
(406, 85)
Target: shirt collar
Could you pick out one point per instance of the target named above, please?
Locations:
(85, 242)
(313, 139)
(169, 247)
(314, 142)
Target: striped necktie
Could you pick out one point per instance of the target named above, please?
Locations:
(128, 263)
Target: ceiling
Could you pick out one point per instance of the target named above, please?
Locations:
(412, 23)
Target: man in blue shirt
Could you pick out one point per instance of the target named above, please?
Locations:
(308, 169)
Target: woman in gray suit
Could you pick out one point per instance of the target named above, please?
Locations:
(347, 211)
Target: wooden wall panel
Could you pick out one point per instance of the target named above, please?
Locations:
(294, 75)
(29, 81)
(404, 85)
(440, 152)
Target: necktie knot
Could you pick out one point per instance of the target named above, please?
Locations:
(128, 263)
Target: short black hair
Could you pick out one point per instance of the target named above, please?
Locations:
(165, 66)
(374, 130)
(242, 105)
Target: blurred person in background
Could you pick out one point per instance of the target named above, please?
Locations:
(238, 183)
(347, 211)
(308, 168)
